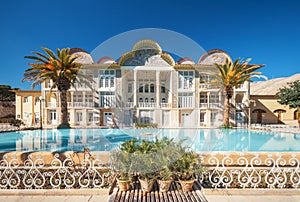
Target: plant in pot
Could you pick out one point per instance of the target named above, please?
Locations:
(122, 161)
(186, 168)
(167, 154)
(146, 165)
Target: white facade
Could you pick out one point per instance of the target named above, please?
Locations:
(146, 86)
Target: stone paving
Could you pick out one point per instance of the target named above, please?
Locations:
(102, 195)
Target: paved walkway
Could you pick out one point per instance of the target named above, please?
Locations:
(102, 195)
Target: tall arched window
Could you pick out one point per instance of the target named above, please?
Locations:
(296, 115)
(151, 88)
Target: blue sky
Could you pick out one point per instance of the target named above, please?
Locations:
(266, 31)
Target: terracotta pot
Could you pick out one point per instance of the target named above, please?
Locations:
(124, 185)
(187, 185)
(164, 185)
(146, 185)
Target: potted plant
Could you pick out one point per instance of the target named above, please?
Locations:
(167, 154)
(165, 179)
(186, 168)
(122, 161)
(146, 165)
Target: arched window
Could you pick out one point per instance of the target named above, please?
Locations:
(279, 113)
(151, 88)
(147, 88)
(259, 114)
(296, 117)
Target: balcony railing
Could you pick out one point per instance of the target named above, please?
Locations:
(203, 105)
(210, 105)
(205, 86)
(129, 104)
(81, 104)
(165, 105)
(52, 104)
(242, 88)
(146, 104)
(215, 105)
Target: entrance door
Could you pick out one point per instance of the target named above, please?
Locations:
(185, 119)
(53, 117)
(259, 117)
(107, 119)
(166, 118)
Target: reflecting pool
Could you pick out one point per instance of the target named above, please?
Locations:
(240, 140)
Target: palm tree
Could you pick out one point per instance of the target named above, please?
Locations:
(62, 69)
(231, 75)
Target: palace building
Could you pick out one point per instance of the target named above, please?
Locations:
(147, 86)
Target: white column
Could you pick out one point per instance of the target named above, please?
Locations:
(157, 89)
(134, 87)
(170, 99)
(83, 98)
(72, 98)
(84, 117)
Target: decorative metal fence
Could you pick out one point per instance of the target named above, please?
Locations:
(251, 170)
(75, 171)
(37, 172)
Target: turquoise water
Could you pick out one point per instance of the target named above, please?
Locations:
(206, 140)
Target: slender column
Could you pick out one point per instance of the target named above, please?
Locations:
(135, 88)
(72, 99)
(170, 99)
(157, 89)
(83, 98)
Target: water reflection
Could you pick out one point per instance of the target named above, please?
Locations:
(107, 139)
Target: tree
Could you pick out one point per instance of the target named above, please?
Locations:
(231, 75)
(62, 69)
(290, 96)
(6, 93)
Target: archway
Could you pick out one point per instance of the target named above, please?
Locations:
(296, 115)
(259, 113)
(279, 113)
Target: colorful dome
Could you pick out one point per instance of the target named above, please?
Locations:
(105, 60)
(147, 44)
(83, 56)
(214, 56)
(185, 60)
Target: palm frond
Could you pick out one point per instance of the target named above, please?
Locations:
(49, 52)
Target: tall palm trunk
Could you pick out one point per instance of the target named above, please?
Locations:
(298, 111)
(228, 95)
(226, 111)
(64, 108)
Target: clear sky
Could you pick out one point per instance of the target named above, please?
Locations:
(268, 31)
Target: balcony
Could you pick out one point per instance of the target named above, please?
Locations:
(165, 105)
(146, 104)
(205, 86)
(203, 105)
(215, 106)
(52, 104)
(81, 105)
(242, 87)
(210, 106)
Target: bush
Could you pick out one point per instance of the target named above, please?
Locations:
(146, 125)
(64, 126)
(17, 123)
